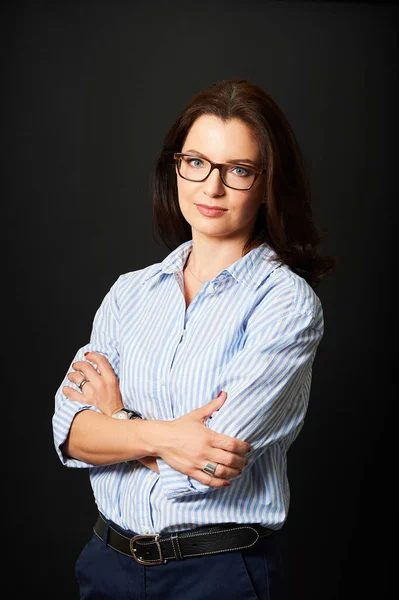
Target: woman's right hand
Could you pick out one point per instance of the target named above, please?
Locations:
(186, 444)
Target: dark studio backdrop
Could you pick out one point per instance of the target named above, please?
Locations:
(90, 89)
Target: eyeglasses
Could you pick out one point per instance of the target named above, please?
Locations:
(197, 168)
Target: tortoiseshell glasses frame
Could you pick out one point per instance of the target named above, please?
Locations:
(221, 167)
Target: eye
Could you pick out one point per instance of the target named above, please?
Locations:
(241, 172)
(194, 162)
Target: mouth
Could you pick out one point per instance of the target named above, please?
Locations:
(211, 207)
(210, 211)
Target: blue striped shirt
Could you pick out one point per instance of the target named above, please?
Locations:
(253, 331)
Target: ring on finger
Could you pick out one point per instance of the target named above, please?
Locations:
(210, 468)
(81, 384)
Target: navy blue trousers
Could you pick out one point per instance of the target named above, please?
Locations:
(251, 574)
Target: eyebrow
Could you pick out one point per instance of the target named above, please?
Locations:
(232, 160)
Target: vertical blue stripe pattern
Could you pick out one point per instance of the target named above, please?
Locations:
(253, 331)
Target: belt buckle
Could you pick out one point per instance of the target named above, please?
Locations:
(147, 563)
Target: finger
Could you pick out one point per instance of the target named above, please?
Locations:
(223, 472)
(87, 369)
(103, 363)
(77, 377)
(206, 411)
(215, 482)
(230, 444)
(72, 394)
(228, 459)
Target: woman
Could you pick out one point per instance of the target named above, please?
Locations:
(197, 375)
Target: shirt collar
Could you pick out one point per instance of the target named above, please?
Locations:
(250, 270)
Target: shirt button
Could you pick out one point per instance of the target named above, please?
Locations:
(148, 478)
(162, 381)
(146, 530)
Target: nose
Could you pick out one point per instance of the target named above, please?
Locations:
(213, 185)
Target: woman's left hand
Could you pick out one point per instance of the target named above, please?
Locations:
(101, 390)
(102, 387)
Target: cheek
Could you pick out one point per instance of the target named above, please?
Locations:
(249, 205)
(245, 212)
(183, 190)
(184, 199)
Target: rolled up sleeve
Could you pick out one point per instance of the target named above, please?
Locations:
(268, 385)
(104, 339)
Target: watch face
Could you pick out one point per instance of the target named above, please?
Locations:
(121, 414)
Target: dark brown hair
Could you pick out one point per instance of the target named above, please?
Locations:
(285, 221)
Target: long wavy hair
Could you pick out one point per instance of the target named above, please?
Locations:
(285, 221)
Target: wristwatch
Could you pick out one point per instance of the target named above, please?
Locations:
(124, 413)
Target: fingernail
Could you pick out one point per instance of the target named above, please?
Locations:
(226, 483)
(86, 353)
(219, 394)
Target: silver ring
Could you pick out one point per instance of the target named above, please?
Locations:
(81, 384)
(210, 468)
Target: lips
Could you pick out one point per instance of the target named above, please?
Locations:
(211, 211)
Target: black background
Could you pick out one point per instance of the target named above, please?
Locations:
(90, 89)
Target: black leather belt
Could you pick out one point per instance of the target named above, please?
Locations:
(151, 550)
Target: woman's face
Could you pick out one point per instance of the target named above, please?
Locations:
(221, 142)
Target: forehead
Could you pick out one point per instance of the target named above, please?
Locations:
(222, 139)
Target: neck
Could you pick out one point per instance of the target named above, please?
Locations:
(209, 257)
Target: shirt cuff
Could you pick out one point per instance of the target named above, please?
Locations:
(176, 484)
(62, 421)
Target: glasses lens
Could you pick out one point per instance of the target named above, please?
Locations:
(238, 177)
(194, 167)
